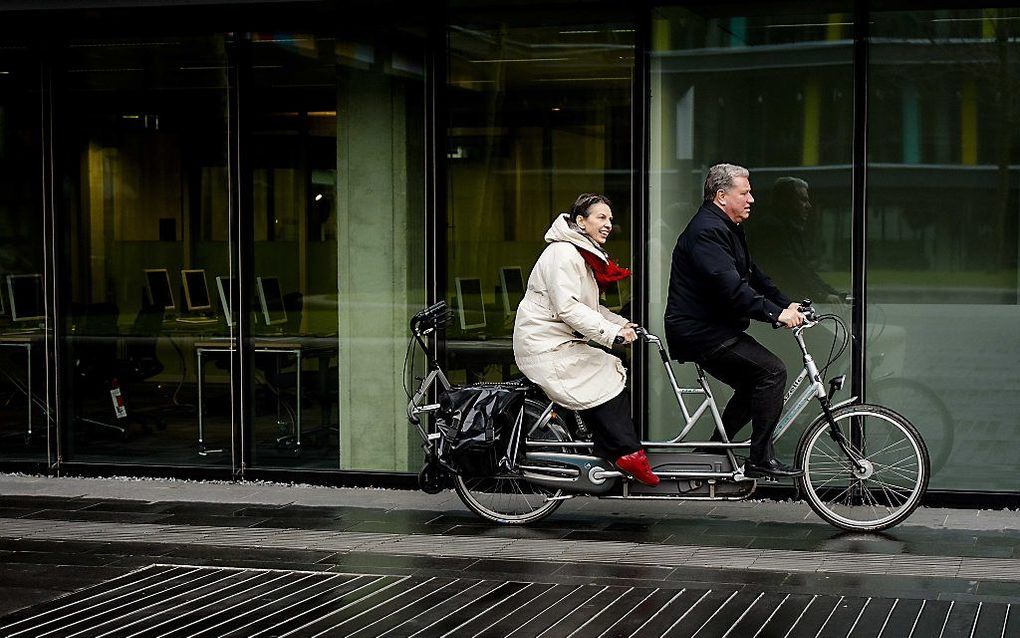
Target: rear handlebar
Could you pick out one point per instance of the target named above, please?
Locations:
(641, 332)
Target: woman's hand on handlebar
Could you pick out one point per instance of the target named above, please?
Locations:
(626, 334)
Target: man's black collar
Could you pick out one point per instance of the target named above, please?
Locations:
(711, 206)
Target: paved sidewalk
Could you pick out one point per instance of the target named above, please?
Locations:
(948, 568)
(265, 493)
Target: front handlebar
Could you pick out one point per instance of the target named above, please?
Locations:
(805, 308)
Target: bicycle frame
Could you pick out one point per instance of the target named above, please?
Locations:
(792, 409)
(867, 491)
(815, 390)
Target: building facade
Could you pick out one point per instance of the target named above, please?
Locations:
(216, 218)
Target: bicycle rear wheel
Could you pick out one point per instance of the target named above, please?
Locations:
(881, 494)
(509, 499)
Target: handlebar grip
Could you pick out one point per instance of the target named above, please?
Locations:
(641, 332)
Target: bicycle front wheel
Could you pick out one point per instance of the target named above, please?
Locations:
(885, 484)
(509, 499)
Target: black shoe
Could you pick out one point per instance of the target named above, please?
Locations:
(772, 468)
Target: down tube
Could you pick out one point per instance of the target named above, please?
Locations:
(815, 389)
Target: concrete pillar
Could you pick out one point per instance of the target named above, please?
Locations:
(380, 277)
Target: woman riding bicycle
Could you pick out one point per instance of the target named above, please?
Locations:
(560, 313)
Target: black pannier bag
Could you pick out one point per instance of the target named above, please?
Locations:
(475, 423)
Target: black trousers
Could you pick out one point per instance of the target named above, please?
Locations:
(758, 379)
(612, 428)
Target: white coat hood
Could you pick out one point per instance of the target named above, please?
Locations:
(563, 230)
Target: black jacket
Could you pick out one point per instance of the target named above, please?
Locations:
(714, 287)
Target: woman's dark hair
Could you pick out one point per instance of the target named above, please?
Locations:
(585, 201)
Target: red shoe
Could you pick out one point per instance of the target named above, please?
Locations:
(636, 465)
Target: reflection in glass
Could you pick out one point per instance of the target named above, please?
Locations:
(772, 92)
(143, 137)
(337, 153)
(23, 401)
(538, 115)
(943, 323)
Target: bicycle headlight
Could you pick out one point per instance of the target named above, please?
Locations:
(836, 383)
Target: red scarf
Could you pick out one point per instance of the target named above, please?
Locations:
(606, 272)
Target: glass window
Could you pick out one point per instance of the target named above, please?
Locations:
(770, 90)
(943, 326)
(338, 219)
(23, 420)
(142, 136)
(538, 114)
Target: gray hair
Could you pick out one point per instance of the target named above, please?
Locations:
(721, 177)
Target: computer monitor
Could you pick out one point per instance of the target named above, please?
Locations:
(196, 290)
(26, 293)
(271, 299)
(511, 281)
(469, 303)
(614, 297)
(224, 285)
(158, 290)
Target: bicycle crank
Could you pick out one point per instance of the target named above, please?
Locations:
(574, 472)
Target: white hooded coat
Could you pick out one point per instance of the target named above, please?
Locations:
(561, 303)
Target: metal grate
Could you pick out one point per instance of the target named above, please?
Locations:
(217, 602)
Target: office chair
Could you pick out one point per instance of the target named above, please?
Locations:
(99, 368)
(319, 385)
(141, 362)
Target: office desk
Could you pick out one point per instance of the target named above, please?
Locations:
(25, 342)
(297, 347)
(474, 355)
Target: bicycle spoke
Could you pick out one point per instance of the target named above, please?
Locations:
(876, 505)
(885, 485)
(844, 492)
(889, 447)
(889, 494)
(842, 470)
(898, 474)
(897, 465)
(837, 477)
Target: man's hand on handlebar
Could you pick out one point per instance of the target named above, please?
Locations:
(790, 317)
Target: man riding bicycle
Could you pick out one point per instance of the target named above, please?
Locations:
(714, 290)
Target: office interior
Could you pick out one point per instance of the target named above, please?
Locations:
(343, 166)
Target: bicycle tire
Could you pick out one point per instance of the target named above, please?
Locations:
(510, 499)
(928, 412)
(896, 475)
